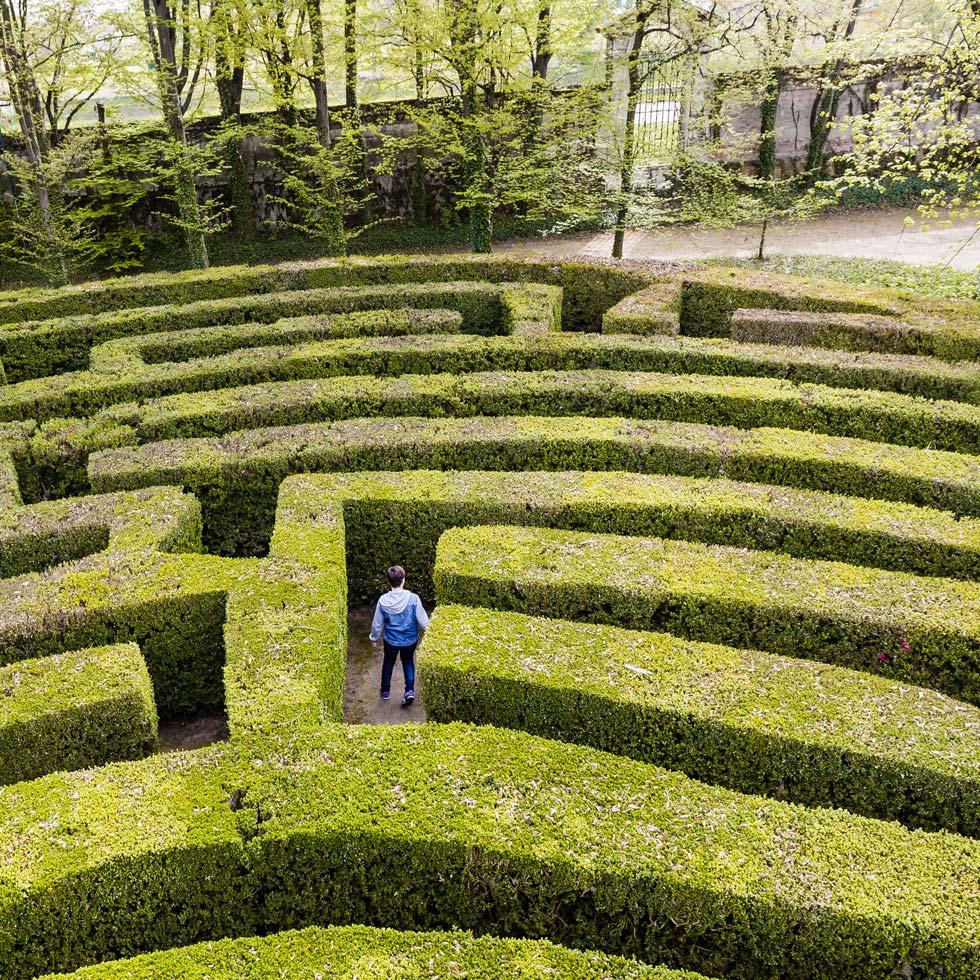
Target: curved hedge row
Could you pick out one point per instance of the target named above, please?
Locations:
(791, 729)
(363, 953)
(922, 630)
(34, 349)
(237, 477)
(35, 538)
(298, 820)
(237, 357)
(741, 402)
(75, 710)
(484, 829)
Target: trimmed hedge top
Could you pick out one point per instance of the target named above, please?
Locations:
(793, 729)
(301, 821)
(363, 953)
(75, 710)
(413, 828)
(237, 477)
(923, 630)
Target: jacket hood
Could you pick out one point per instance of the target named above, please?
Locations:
(395, 602)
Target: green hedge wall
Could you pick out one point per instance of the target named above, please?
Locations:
(655, 310)
(922, 630)
(38, 348)
(75, 710)
(483, 829)
(286, 628)
(589, 288)
(742, 402)
(365, 953)
(236, 478)
(397, 518)
(792, 729)
(37, 537)
(120, 376)
(186, 345)
(173, 606)
(838, 331)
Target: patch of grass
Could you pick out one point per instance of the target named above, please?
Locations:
(925, 280)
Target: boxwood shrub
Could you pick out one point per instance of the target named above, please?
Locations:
(120, 375)
(398, 517)
(839, 331)
(922, 630)
(484, 829)
(237, 477)
(75, 710)
(793, 729)
(365, 953)
(34, 349)
(588, 288)
(37, 537)
(742, 402)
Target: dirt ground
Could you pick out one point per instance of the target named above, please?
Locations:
(362, 700)
(193, 733)
(877, 234)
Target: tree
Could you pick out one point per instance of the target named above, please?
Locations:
(683, 33)
(228, 23)
(176, 41)
(924, 134)
(25, 95)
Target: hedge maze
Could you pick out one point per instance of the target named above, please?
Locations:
(703, 677)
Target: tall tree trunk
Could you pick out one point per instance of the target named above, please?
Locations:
(161, 39)
(418, 177)
(823, 113)
(229, 64)
(318, 82)
(466, 43)
(628, 154)
(542, 44)
(29, 108)
(767, 124)
(350, 54)
(477, 174)
(318, 78)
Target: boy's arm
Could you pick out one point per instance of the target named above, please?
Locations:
(377, 624)
(421, 615)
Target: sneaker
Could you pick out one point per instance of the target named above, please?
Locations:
(385, 695)
(408, 699)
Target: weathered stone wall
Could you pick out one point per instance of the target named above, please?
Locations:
(741, 115)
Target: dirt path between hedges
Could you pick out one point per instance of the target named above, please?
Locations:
(877, 234)
(362, 702)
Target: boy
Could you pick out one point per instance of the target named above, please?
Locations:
(398, 617)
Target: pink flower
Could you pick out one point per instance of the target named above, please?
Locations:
(903, 645)
(883, 657)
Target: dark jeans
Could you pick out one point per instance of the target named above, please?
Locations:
(392, 653)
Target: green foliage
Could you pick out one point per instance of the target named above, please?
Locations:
(350, 823)
(940, 281)
(83, 231)
(792, 729)
(236, 477)
(921, 630)
(75, 710)
(363, 953)
(388, 515)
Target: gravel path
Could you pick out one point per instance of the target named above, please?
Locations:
(879, 234)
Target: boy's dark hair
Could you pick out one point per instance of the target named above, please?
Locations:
(396, 575)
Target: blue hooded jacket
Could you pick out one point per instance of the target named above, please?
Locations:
(399, 615)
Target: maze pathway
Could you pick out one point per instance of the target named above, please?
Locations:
(702, 676)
